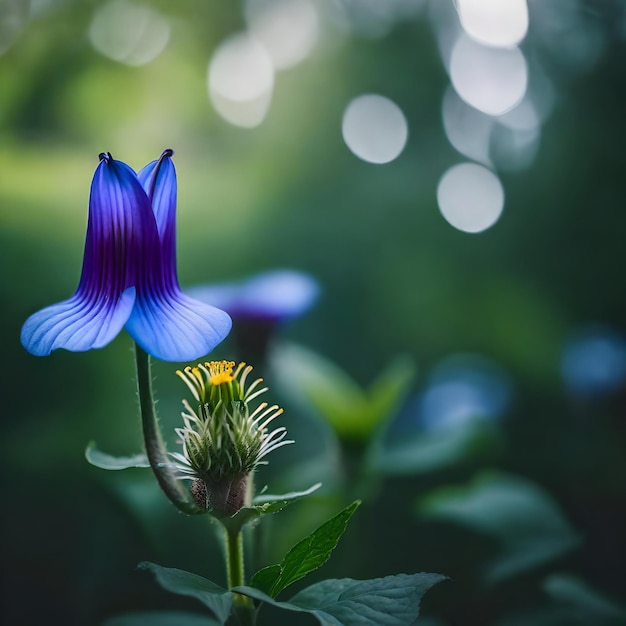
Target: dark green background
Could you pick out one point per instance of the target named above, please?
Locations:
(395, 278)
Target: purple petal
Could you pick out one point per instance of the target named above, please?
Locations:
(129, 274)
(119, 217)
(165, 322)
(158, 179)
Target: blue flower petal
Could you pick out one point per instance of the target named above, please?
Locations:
(165, 322)
(158, 180)
(119, 216)
(129, 274)
(174, 327)
(77, 324)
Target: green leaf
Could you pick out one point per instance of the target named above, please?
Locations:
(391, 387)
(527, 525)
(266, 577)
(216, 598)
(388, 601)
(306, 556)
(322, 384)
(352, 411)
(162, 618)
(572, 592)
(106, 461)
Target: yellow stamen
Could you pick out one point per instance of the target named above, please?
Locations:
(220, 372)
(196, 372)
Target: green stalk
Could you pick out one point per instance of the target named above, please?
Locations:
(242, 605)
(153, 439)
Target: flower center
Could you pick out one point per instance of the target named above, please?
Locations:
(220, 372)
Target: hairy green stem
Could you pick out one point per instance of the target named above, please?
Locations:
(153, 439)
(234, 558)
(242, 605)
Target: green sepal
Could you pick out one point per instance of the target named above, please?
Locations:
(388, 601)
(265, 499)
(306, 556)
(108, 462)
(214, 597)
(265, 504)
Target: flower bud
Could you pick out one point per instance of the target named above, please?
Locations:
(224, 438)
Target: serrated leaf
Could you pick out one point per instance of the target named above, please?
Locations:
(162, 618)
(388, 601)
(216, 598)
(106, 461)
(306, 556)
(265, 578)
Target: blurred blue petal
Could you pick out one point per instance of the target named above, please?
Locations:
(594, 361)
(463, 388)
(272, 296)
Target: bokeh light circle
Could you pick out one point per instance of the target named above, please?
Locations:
(492, 80)
(501, 23)
(241, 80)
(129, 33)
(288, 29)
(241, 69)
(14, 15)
(467, 129)
(374, 128)
(470, 197)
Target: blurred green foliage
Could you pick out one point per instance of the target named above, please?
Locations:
(396, 280)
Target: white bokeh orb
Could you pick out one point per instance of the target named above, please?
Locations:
(470, 197)
(374, 128)
(492, 80)
(500, 23)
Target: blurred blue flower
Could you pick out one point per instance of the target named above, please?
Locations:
(129, 274)
(594, 361)
(260, 304)
(464, 388)
(272, 296)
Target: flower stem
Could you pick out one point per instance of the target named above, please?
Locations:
(242, 605)
(153, 439)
